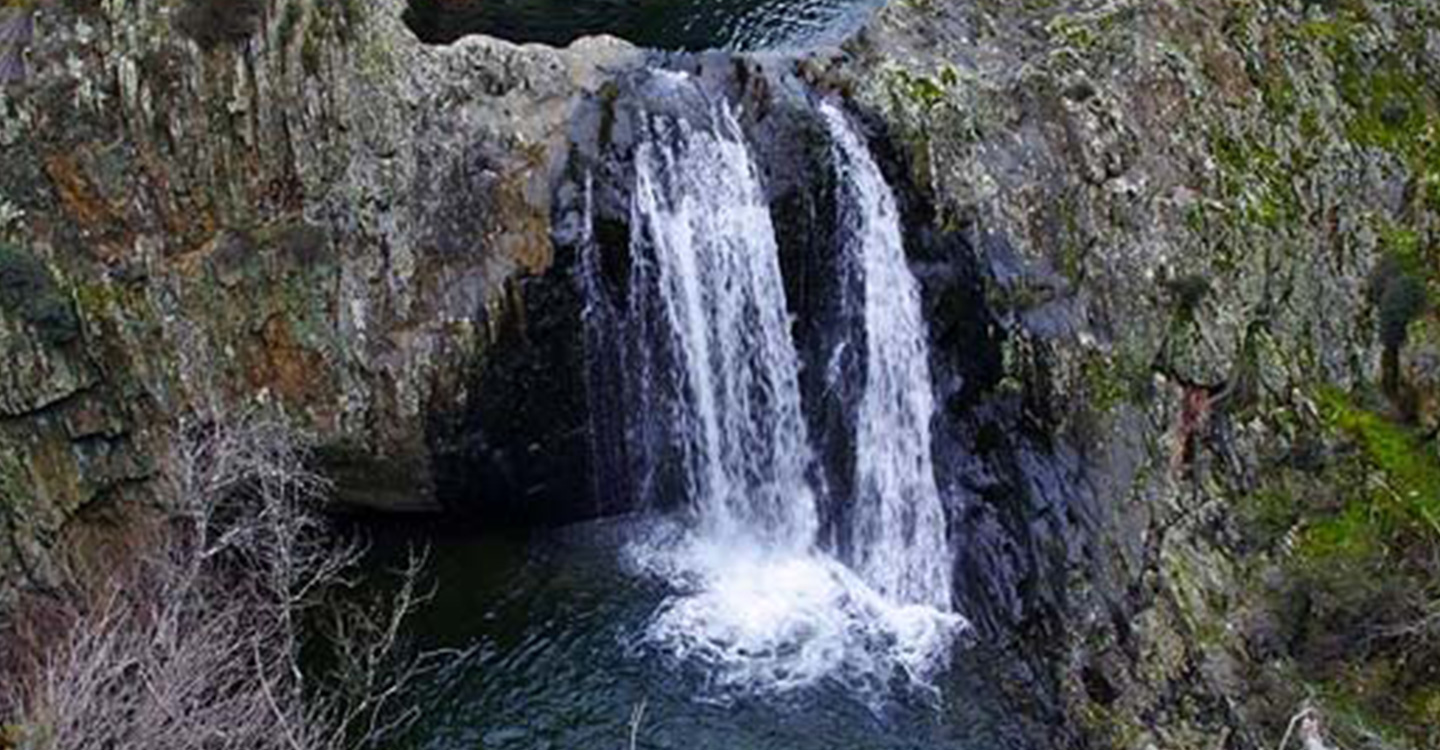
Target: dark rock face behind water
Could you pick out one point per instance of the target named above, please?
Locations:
(1143, 231)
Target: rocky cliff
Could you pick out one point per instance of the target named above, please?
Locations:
(291, 204)
(1208, 234)
(1153, 235)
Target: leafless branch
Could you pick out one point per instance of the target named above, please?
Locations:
(637, 717)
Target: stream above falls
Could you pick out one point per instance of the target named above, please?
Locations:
(659, 24)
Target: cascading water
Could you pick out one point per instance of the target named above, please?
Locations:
(704, 247)
(897, 534)
(712, 400)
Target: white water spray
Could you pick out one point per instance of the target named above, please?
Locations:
(897, 534)
(715, 381)
(700, 218)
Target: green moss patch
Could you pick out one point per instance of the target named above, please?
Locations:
(1402, 504)
(1363, 532)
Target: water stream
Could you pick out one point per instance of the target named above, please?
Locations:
(757, 597)
(662, 24)
(706, 280)
(897, 535)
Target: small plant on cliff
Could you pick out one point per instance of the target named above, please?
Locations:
(28, 292)
(1398, 298)
(1187, 292)
(214, 22)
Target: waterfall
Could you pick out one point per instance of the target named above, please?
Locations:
(897, 529)
(703, 246)
(702, 350)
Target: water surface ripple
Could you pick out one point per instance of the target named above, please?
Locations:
(662, 24)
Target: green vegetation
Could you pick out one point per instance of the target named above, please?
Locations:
(1114, 378)
(1398, 295)
(1186, 293)
(330, 19)
(1399, 298)
(1406, 502)
(1359, 536)
(1256, 182)
(345, 15)
(28, 292)
(293, 15)
(922, 91)
(945, 107)
(1391, 106)
(1394, 107)
(1101, 31)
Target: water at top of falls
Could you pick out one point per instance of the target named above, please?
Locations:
(712, 410)
(663, 24)
(897, 530)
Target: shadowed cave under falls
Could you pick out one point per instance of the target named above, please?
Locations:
(691, 25)
(784, 576)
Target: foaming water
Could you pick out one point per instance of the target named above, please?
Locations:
(559, 629)
(761, 621)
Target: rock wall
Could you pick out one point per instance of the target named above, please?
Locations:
(285, 204)
(1179, 208)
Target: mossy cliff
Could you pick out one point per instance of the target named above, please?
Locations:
(211, 207)
(1210, 234)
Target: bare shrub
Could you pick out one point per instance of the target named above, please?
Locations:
(198, 643)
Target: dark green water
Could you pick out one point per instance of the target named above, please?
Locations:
(661, 24)
(560, 662)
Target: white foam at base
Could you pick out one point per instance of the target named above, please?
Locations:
(771, 621)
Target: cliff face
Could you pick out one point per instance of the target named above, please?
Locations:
(292, 203)
(1148, 234)
(1181, 208)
